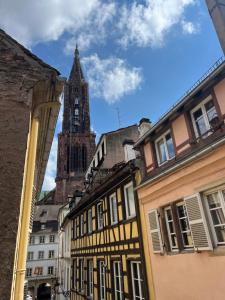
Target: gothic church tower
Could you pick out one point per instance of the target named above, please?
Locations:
(76, 142)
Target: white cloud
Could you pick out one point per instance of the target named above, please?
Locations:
(111, 78)
(31, 22)
(189, 27)
(148, 23)
(95, 28)
(49, 181)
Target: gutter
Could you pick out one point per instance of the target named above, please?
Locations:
(184, 162)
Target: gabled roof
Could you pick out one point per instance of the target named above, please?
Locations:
(4, 35)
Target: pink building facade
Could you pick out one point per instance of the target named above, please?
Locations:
(182, 195)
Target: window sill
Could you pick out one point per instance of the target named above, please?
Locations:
(185, 251)
(218, 251)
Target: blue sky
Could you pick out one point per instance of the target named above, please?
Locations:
(138, 56)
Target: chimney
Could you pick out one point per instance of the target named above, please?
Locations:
(217, 12)
(144, 126)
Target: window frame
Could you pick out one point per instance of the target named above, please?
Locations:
(218, 190)
(100, 224)
(82, 225)
(186, 247)
(81, 275)
(42, 239)
(51, 254)
(52, 238)
(163, 137)
(41, 256)
(29, 272)
(172, 248)
(139, 279)
(120, 280)
(30, 253)
(126, 186)
(90, 278)
(32, 240)
(102, 283)
(204, 112)
(89, 221)
(51, 268)
(112, 201)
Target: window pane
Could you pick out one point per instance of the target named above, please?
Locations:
(130, 204)
(220, 234)
(210, 110)
(161, 151)
(218, 216)
(200, 122)
(170, 147)
(213, 200)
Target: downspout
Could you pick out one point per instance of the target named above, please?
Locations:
(17, 290)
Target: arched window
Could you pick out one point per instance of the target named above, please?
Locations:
(76, 100)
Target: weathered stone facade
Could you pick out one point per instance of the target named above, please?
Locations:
(76, 142)
(21, 76)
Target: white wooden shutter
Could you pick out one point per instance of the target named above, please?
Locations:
(197, 221)
(155, 231)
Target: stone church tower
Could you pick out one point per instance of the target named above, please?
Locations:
(76, 142)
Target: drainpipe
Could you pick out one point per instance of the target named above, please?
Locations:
(17, 290)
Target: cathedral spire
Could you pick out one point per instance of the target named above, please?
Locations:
(76, 71)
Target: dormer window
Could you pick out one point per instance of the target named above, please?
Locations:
(203, 117)
(164, 148)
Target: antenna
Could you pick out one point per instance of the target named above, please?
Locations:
(118, 116)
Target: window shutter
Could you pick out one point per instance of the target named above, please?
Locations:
(197, 221)
(155, 231)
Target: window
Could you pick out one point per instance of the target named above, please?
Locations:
(81, 275)
(90, 279)
(90, 224)
(40, 254)
(30, 255)
(29, 272)
(203, 116)
(76, 112)
(129, 200)
(164, 148)
(42, 239)
(113, 208)
(76, 101)
(102, 283)
(182, 228)
(43, 226)
(100, 215)
(74, 228)
(184, 225)
(32, 240)
(81, 225)
(51, 254)
(137, 281)
(216, 209)
(117, 280)
(51, 238)
(38, 271)
(171, 229)
(50, 270)
(74, 283)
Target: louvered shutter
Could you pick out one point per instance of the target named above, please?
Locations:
(197, 221)
(155, 231)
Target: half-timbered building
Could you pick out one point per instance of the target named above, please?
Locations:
(106, 247)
